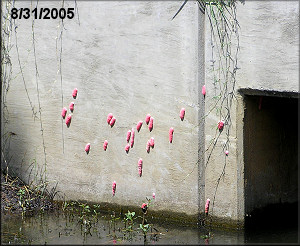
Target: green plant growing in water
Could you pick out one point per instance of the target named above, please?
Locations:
(96, 207)
(113, 220)
(21, 194)
(84, 218)
(85, 208)
(128, 225)
(129, 220)
(144, 226)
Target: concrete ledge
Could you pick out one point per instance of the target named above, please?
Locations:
(223, 223)
(153, 216)
(170, 218)
(273, 93)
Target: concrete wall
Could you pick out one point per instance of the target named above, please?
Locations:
(268, 60)
(127, 58)
(269, 42)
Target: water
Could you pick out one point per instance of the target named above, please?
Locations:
(61, 228)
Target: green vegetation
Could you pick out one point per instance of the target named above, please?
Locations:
(16, 196)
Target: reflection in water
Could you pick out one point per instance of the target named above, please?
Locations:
(65, 228)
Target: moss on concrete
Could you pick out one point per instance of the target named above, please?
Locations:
(173, 218)
(224, 223)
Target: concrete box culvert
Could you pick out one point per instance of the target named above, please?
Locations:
(270, 158)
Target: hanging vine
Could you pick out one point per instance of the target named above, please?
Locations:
(10, 29)
(225, 48)
(59, 57)
(6, 77)
(43, 172)
(224, 45)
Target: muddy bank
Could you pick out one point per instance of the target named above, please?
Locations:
(17, 197)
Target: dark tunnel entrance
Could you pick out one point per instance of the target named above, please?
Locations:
(271, 159)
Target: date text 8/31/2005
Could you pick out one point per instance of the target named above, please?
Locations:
(42, 13)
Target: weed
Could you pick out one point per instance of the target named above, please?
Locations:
(129, 220)
(21, 194)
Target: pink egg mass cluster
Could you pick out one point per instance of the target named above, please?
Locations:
(132, 138)
(71, 106)
(148, 116)
(139, 125)
(150, 126)
(148, 146)
(127, 147)
(87, 148)
(128, 136)
(140, 166)
(151, 142)
(64, 112)
(109, 117)
(105, 145)
(74, 93)
(68, 120)
(112, 122)
(182, 113)
(203, 90)
(114, 187)
(220, 125)
(171, 131)
(207, 206)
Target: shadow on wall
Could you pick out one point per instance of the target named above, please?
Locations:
(271, 160)
(9, 162)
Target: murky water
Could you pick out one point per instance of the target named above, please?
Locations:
(60, 228)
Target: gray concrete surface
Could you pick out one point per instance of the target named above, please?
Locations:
(127, 58)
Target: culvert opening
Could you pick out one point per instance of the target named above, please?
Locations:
(271, 159)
